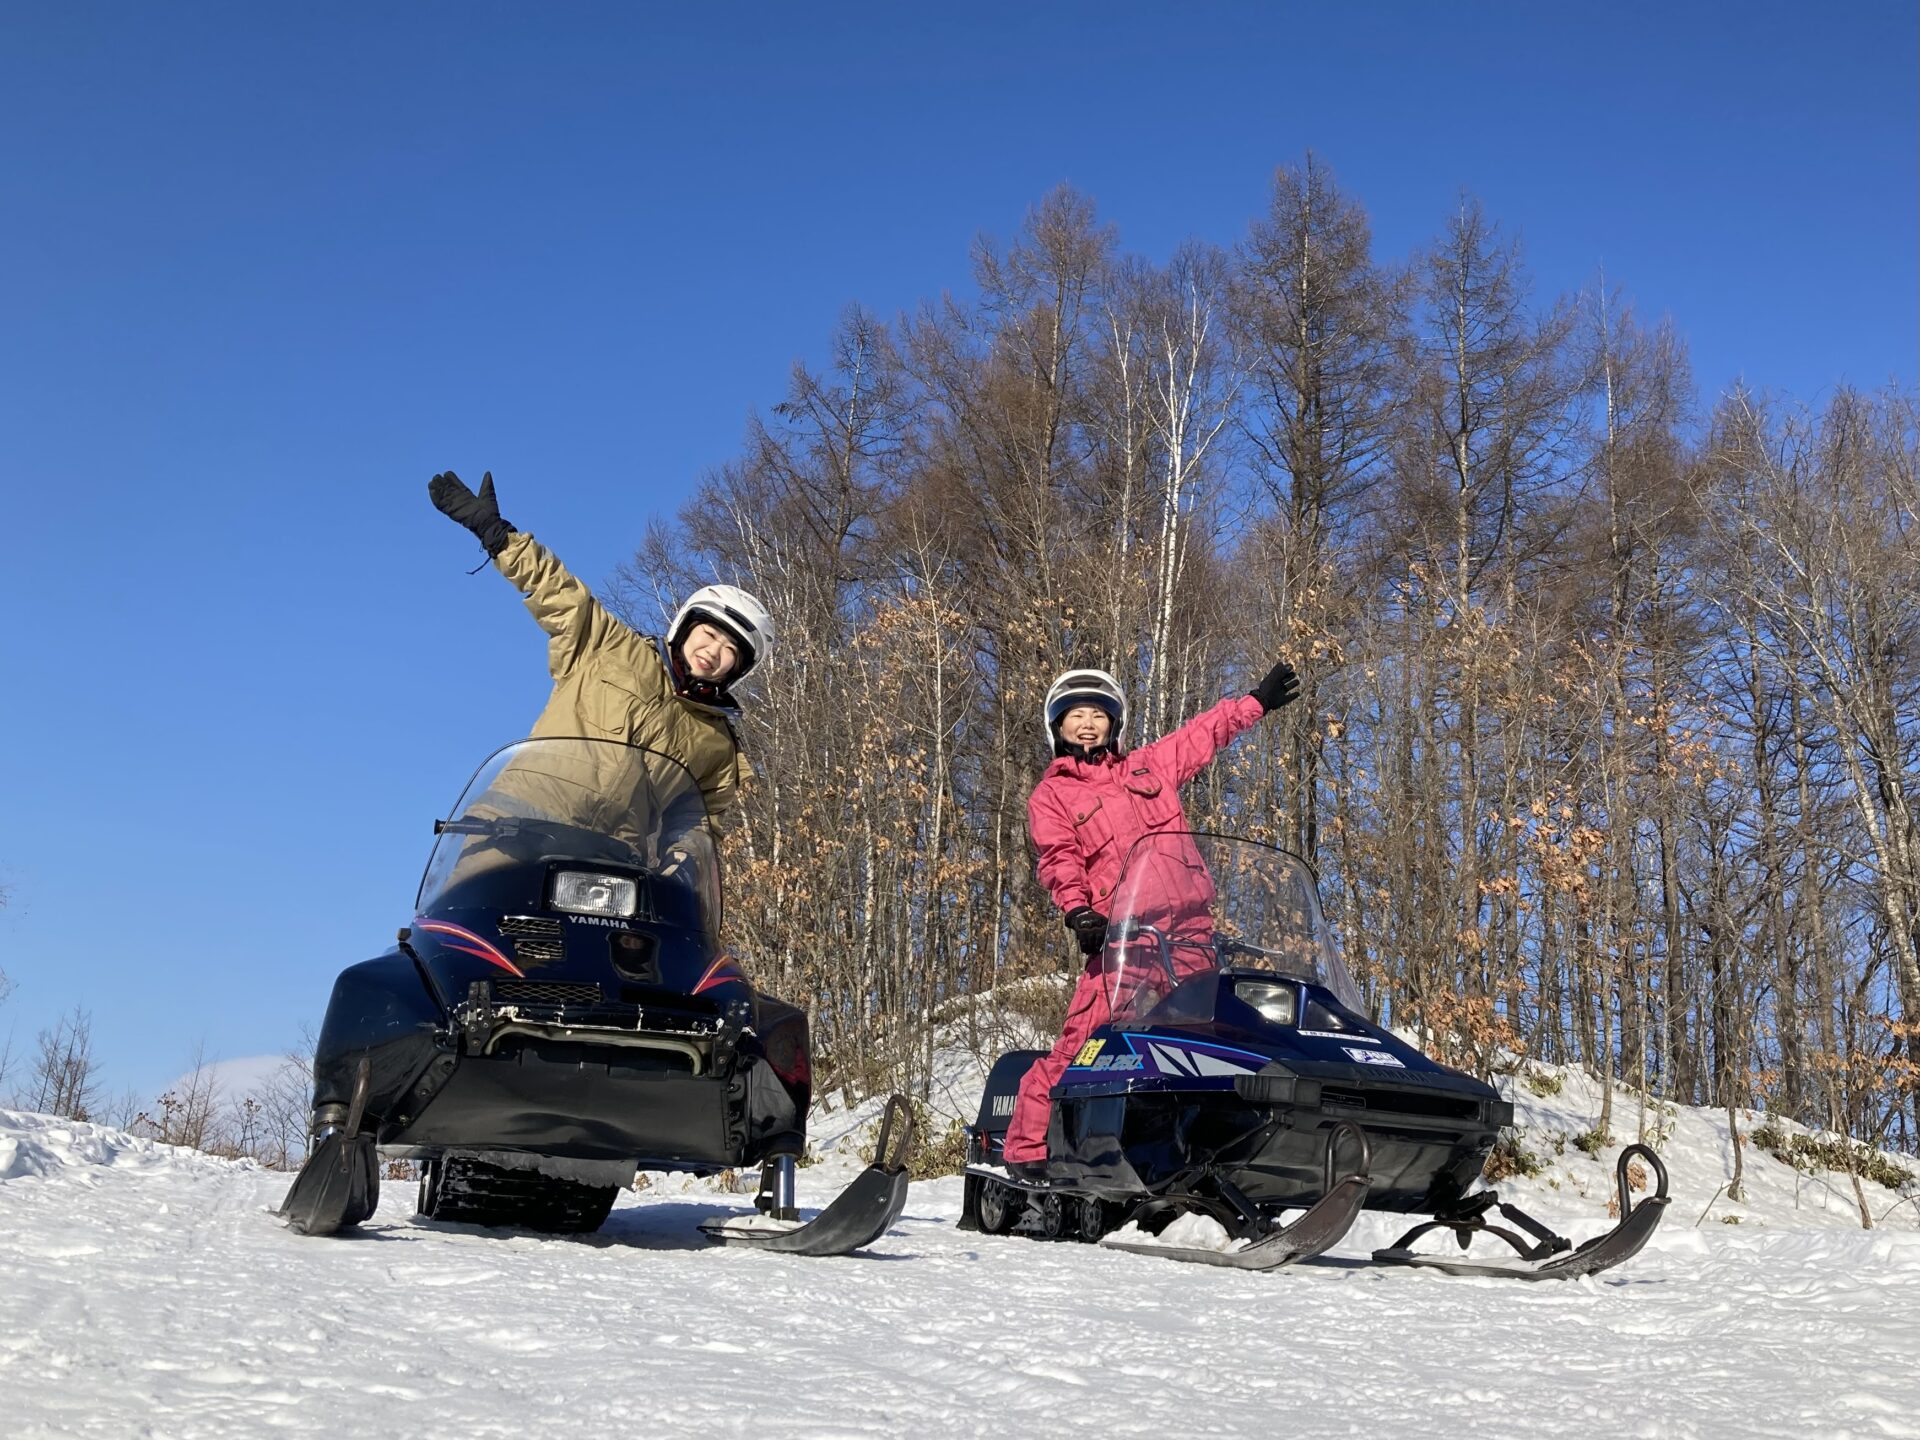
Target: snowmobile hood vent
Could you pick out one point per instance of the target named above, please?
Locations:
(535, 927)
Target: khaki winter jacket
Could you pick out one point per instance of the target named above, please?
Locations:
(611, 682)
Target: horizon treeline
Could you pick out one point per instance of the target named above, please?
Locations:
(1607, 748)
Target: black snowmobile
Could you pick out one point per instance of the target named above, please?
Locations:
(1238, 1078)
(560, 1016)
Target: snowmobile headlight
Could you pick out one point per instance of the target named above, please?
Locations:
(1277, 1003)
(581, 892)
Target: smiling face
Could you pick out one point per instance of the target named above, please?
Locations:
(1086, 726)
(710, 652)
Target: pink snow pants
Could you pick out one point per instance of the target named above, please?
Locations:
(1026, 1138)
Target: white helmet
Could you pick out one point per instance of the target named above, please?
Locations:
(734, 611)
(1084, 687)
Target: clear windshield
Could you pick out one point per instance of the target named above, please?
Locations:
(595, 802)
(1188, 905)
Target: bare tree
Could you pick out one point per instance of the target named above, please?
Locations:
(189, 1111)
(1610, 741)
(65, 1078)
(282, 1107)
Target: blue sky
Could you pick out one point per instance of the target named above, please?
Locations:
(263, 270)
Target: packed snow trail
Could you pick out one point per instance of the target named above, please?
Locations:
(149, 1291)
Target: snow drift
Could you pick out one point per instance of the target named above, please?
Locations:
(148, 1290)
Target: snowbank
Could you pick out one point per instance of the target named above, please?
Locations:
(147, 1290)
(73, 1152)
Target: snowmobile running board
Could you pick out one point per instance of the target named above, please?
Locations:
(1553, 1256)
(859, 1214)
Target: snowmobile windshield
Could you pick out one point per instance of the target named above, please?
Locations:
(577, 802)
(1189, 906)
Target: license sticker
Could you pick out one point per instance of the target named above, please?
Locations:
(1089, 1052)
(1374, 1057)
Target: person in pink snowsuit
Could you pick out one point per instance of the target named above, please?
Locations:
(1092, 803)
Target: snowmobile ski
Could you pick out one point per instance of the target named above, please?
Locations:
(1322, 1227)
(1061, 1211)
(339, 1184)
(858, 1216)
(1319, 1229)
(1551, 1256)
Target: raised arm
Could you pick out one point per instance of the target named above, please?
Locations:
(575, 622)
(1188, 750)
(565, 608)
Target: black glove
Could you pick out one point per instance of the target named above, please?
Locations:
(1281, 687)
(1090, 926)
(479, 513)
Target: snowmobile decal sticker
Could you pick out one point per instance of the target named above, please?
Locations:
(1213, 1065)
(1374, 1057)
(719, 973)
(1192, 1058)
(474, 945)
(1189, 1059)
(1170, 1060)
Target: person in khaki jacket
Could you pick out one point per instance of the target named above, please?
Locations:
(671, 694)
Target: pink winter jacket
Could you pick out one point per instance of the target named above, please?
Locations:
(1084, 816)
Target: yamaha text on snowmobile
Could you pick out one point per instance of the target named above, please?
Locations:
(560, 1015)
(1237, 1078)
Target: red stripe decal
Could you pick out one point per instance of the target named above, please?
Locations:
(479, 947)
(714, 977)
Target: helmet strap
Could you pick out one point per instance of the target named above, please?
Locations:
(703, 692)
(1087, 754)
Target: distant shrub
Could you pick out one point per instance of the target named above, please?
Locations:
(1807, 1153)
(934, 1156)
(1509, 1158)
(1658, 1122)
(1544, 1083)
(936, 1150)
(1591, 1142)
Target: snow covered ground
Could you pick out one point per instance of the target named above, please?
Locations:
(148, 1291)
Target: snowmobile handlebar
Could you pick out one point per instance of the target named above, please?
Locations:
(465, 825)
